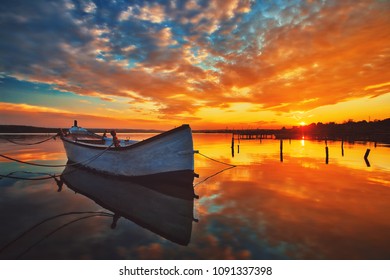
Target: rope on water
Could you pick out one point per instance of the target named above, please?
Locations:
(61, 227)
(91, 214)
(215, 174)
(29, 144)
(49, 176)
(48, 219)
(230, 166)
(58, 165)
(11, 176)
(203, 155)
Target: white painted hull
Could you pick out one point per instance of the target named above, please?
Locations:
(166, 152)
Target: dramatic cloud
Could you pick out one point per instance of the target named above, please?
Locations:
(185, 58)
(20, 114)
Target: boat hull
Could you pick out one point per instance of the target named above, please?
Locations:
(166, 152)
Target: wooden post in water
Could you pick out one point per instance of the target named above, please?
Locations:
(281, 150)
(342, 147)
(232, 147)
(327, 154)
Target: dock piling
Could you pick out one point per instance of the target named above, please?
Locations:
(281, 150)
(326, 154)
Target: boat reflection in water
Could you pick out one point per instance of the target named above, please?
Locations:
(162, 203)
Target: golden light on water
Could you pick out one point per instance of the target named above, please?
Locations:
(272, 204)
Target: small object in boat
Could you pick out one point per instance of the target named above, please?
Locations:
(115, 138)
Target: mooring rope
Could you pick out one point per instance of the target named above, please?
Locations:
(29, 144)
(215, 174)
(11, 176)
(57, 165)
(92, 214)
(48, 219)
(59, 228)
(230, 166)
(203, 155)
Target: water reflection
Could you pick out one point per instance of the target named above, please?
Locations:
(161, 203)
(301, 208)
(289, 211)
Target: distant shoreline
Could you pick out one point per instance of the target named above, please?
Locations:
(375, 131)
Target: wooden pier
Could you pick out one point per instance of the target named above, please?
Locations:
(255, 134)
(270, 134)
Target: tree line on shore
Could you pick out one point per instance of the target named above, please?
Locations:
(378, 131)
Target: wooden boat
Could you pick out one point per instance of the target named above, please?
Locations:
(166, 152)
(161, 203)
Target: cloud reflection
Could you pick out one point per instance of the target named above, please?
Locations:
(289, 209)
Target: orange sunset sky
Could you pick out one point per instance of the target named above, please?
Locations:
(212, 64)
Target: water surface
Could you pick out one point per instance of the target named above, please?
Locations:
(264, 208)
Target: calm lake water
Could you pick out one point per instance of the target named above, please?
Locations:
(264, 208)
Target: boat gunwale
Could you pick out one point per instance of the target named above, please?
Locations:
(120, 148)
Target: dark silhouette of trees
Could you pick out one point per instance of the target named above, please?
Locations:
(377, 131)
